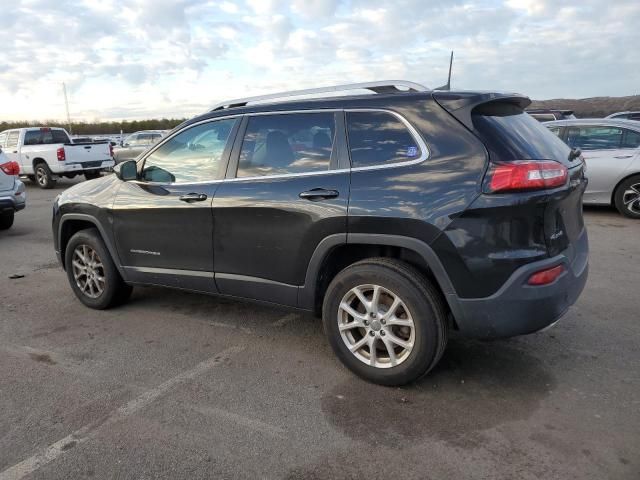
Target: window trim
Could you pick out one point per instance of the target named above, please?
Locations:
(231, 161)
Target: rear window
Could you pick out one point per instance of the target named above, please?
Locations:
(511, 134)
(45, 137)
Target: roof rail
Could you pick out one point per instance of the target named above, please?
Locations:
(385, 86)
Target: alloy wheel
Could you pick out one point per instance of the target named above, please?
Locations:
(88, 271)
(41, 176)
(631, 198)
(376, 326)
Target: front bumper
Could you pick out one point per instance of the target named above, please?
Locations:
(518, 308)
(15, 199)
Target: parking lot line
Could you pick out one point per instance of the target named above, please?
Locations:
(84, 433)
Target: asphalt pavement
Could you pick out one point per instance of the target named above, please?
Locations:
(178, 385)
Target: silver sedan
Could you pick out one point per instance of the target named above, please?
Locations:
(611, 149)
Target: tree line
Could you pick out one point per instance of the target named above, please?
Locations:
(98, 128)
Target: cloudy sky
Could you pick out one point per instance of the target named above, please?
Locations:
(149, 58)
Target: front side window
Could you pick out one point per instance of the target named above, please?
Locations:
(132, 140)
(630, 139)
(594, 138)
(287, 143)
(379, 138)
(555, 131)
(193, 155)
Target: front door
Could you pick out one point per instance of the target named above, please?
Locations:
(285, 195)
(163, 222)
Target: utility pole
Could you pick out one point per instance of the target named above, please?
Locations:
(66, 104)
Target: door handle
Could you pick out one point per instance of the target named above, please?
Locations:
(623, 156)
(318, 194)
(193, 197)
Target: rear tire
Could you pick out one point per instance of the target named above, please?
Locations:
(92, 175)
(404, 323)
(627, 197)
(6, 220)
(92, 274)
(43, 176)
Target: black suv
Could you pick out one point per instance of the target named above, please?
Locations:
(398, 216)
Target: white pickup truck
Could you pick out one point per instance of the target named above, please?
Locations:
(46, 154)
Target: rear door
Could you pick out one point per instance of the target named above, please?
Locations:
(606, 155)
(286, 192)
(163, 224)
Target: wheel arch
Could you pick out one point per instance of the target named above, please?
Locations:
(623, 179)
(38, 160)
(71, 223)
(338, 251)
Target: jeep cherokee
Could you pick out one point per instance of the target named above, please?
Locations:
(397, 216)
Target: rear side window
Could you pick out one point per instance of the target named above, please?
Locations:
(287, 143)
(379, 138)
(594, 137)
(12, 140)
(511, 134)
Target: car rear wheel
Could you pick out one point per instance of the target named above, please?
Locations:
(6, 220)
(385, 321)
(627, 197)
(92, 274)
(43, 175)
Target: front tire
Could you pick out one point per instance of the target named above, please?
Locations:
(6, 221)
(92, 274)
(627, 197)
(385, 321)
(44, 177)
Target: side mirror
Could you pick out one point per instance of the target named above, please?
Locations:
(126, 171)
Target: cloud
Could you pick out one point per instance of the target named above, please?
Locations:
(123, 59)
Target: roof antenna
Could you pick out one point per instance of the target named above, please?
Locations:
(447, 86)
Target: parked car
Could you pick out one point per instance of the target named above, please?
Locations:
(45, 154)
(12, 191)
(611, 149)
(625, 116)
(397, 216)
(549, 115)
(135, 144)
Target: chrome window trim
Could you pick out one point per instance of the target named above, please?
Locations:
(424, 149)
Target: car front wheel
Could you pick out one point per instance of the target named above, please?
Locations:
(92, 274)
(627, 197)
(385, 321)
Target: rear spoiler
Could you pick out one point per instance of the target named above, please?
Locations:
(461, 104)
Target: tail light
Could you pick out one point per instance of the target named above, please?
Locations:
(61, 155)
(522, 175)
(10, 168)
(546, 276)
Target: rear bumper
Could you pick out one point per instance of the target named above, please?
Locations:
(85, 166)
(518, 308)
(13, 200)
